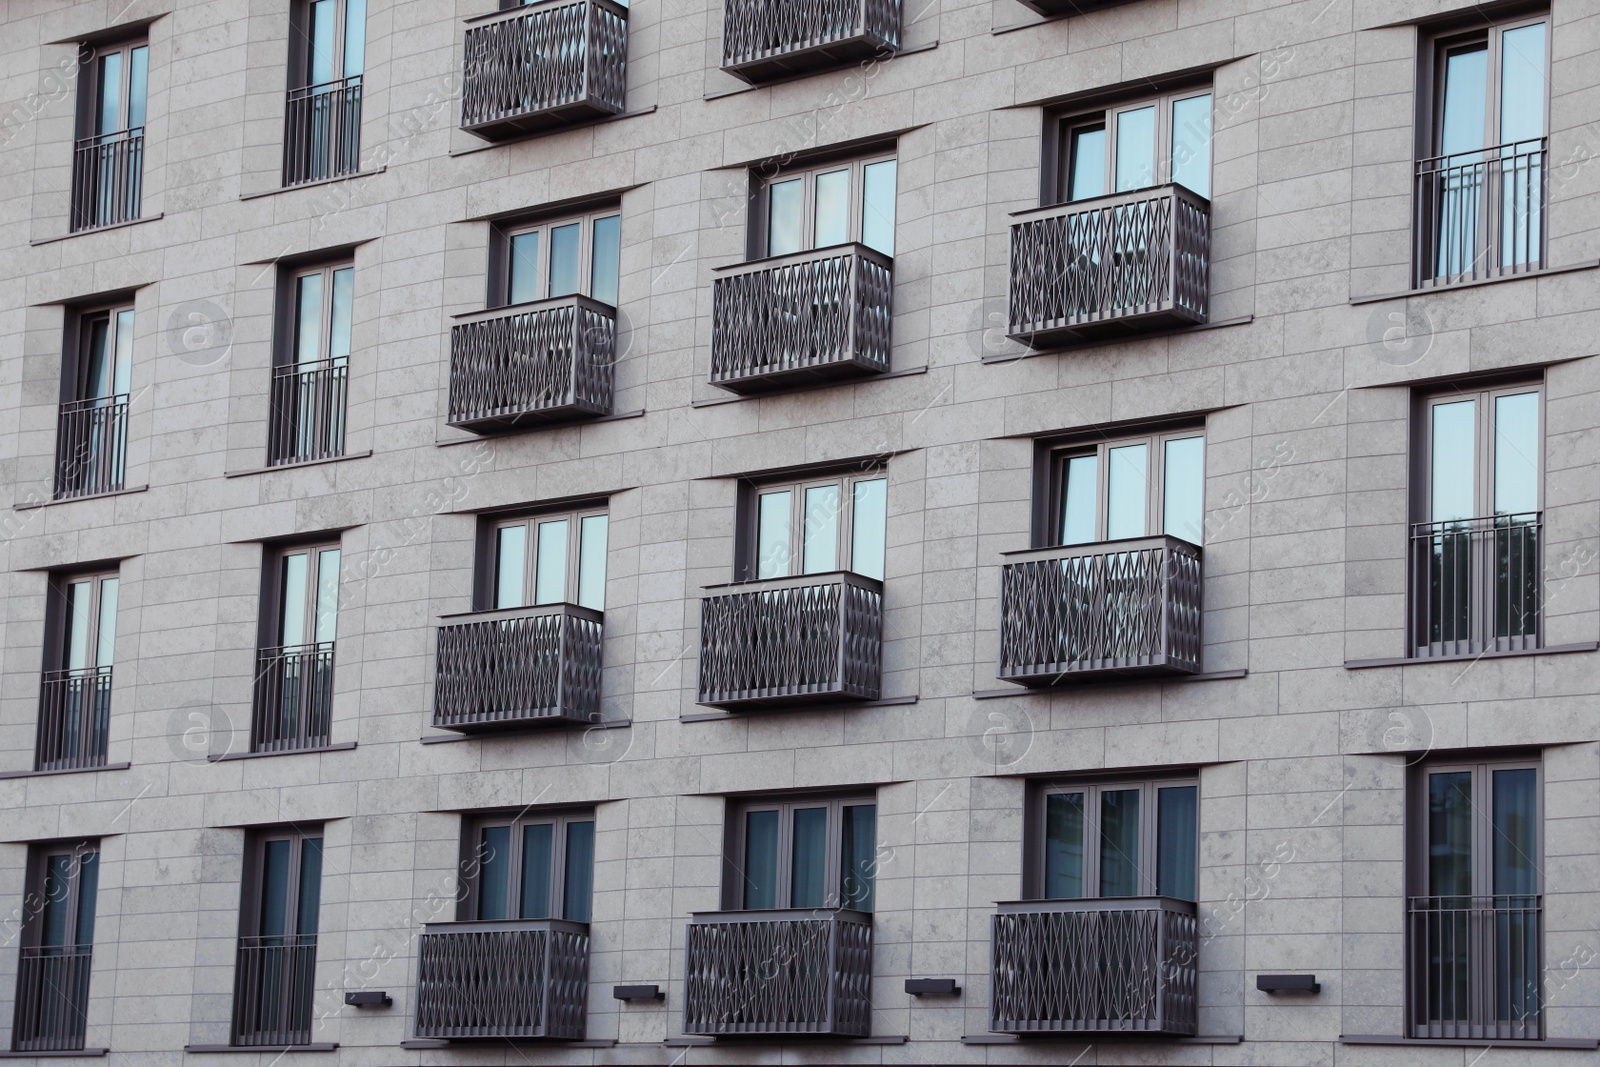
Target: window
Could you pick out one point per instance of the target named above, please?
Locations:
(322, 126)
(537, 865)
(331, 41)
(1129, 487)
(550, 559)
(814, 526)
(75, 692)
(310, 383)
(57, 947)
(1475, 914)
(1118, 839)
(294, 675)
(92, 434)
(277, 955)
(1136, 146)
(538, 261)
(108, 162)
(802, 853)
(828, 205)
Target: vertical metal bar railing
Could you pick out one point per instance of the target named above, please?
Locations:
(1476, 967)
(274, 979)
(307, 417)
(92, 446)
(293, 698)
(74, 719)
(322, 131)
(1480, 214)
(107, 179)
(51, 1013)
(1476, 585)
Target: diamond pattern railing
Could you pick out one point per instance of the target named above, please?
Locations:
(52, 998)
(1110, 266)
(545, 362)
(503, 979)
(784, 640)
(809, 316)
(1119, 964)
(541, 65)
(801, 971)
(1123, 607)
(762, 40)
(519, 666)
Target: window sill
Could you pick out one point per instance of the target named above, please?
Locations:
(65, 237)
(1543, 272)
(7, 1054)
(1081, 1038)
(312, 185)
(1447, 1042)
(52, 502)
(317, 1046)
(1085, 683)
(1404, 661)
(342, 746)
(297, 466)
(70, 770)
(808, 387)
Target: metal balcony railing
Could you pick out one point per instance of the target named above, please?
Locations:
(763, 40)
(1477, 585)
(1110, 266)
(1480, 214)
(522, 978)
(107, 179)
(92, 446)
(1117, 607)
(1475, 967)
(293, 698)
(787, 640)
(519, 666)
(322, 131)
(1113, 965)
(273, 984)
(545, 362)
(801, 971)
(52, 998)
(809, 316)
(74, 719)
(307, 420)
(542, 65)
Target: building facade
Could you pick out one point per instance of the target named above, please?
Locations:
(827, 532)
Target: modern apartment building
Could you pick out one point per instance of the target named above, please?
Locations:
(822, 531)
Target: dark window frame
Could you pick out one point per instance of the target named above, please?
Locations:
(471, 867)
(36, 891)
(1482, 765)
(300, 43)
(1036, 827)
(486, 563)
(1060, 125)
(1052, 470)
(738, 810)
(90, 78)
(1437, 43)
(58, 620)
(502, 233)
(254, 870)
(748, 519)
(270, 624)
(77, 337)
(286, 324)
(1484, 392)
(761, 183)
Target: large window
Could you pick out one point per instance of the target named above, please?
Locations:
(813, 526)
(322, 126)
(294, 671)
(1116, 839)
(802, 852)
(275, 974)
(1128, 487)
(536, 865)
(75, 692)
(828, 205)
(1136, 146)
(544, 260)
(310, 383)
(57, 948)
(108, 162)
(92, 428)
(550, 559)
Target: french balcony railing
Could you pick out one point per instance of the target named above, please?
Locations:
(545, 362)
(1476, 585)
(307, 420)
(816, 637)
(522, 978)
(52, 998)
(322, 131)
(74, 719)
(543, 65)
(1111, 266)
(92, 446)
(273, 985)
(1480, 214)
(107, 179)
(778, 973)
(519, 667)
(1106, 966)
(1475, 967)
(1127, 607)
(293, 698)
(811, 316)
(762, 40)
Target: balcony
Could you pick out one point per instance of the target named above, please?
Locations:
(1127, 607)
(763, 40)
(543, 65)
(1110, 267)
(813, 638)
(274, 980)
(1110, 966)
(778, 973)
(74, 719)
(322, 131)
(519, 667)
(307, 419)
(1480, 214)
(1475, 967)
(522, 978)
(52, 998)
(293, 698)
(811, 316)
(1476, 585)
(545, 362)
(92, 446)
(107, 179)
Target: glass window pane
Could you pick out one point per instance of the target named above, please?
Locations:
(1516, 454)
(833, 208)
(274, 889)
(1191, 143)
(772, 536)
(510, 566)
(310, 886)
(109, 119)
(1177, 841)
(494, 872)
(550, 569)
(80, 608)
(565, 249)
(807, 887)
(1078, 500)
(1136, 149)
(327, 594)
(538, 841)
(1516, 832)
(344, 286)
(57, 900)
(761, 859)
(1452, 460)
(606, 264)
(308, 321)
(355, 37)
(785, 207)
(578, 891)
(1466, 74)
(1450, 833)
(320, 65)
(1063, 846)
(1183, 489)
(857, 865)
(1128, 491)
(292, 627)
(1522, 83)
(88, 887)
(869, 526)
(523, 285)
(97, 376)
(592, 562)
(123, 365)
(877, 206)
(1088, 175)
(1119, 843)
(822, 529)
(138, 85)
(106, 639)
